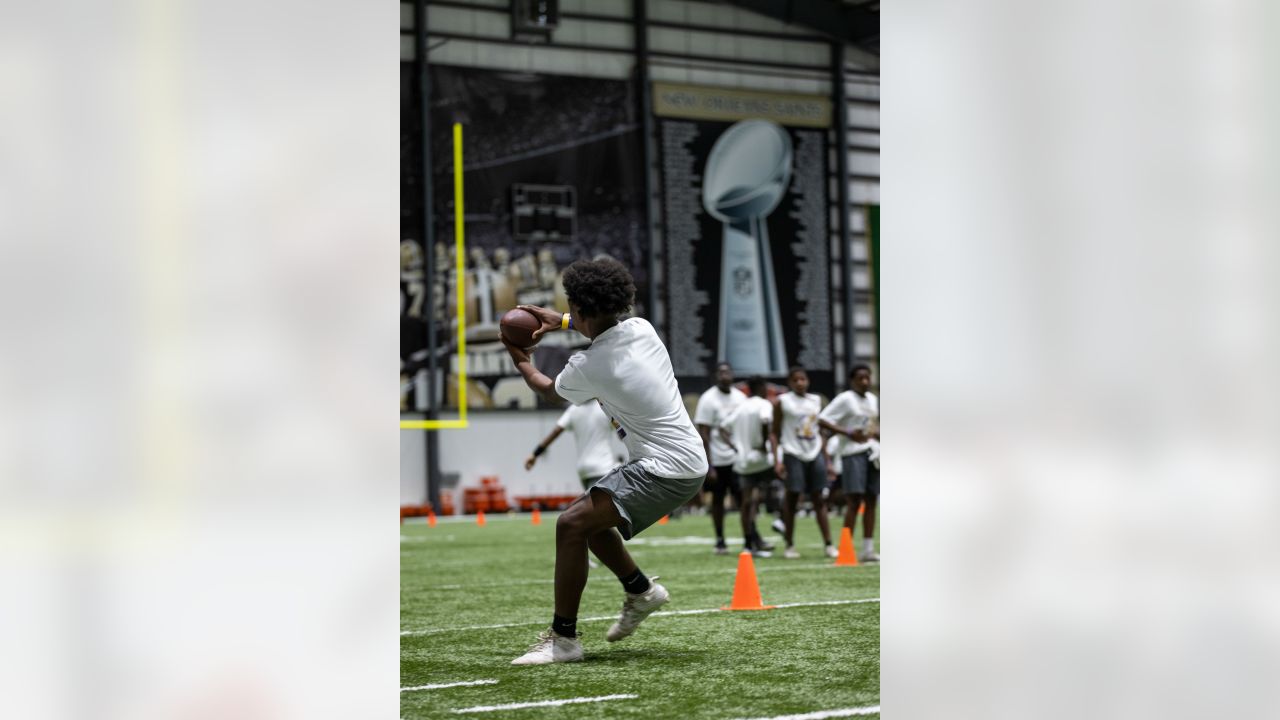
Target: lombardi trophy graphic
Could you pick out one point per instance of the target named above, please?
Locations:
(746, 176)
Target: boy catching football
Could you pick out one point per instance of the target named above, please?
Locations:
(627, 369)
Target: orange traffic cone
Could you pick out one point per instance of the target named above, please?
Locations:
(480, 518)
(846, 557)
(746, 591)
(537, 517)
(663, 520)
(431, 518)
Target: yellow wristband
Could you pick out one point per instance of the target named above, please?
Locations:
(564, 321)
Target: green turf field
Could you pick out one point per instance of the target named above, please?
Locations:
(723, 665)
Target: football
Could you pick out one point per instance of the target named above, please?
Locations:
(518, 326)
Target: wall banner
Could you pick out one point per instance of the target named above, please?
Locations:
(746, 214)
(552, 172)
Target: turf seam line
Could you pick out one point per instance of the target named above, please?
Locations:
(545, 703)
(823, 714)
(700, 611)
(440, 686)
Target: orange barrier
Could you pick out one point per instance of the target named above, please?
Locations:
(544, 502)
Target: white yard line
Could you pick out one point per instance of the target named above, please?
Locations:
(544, 703)
(439, 686)
(720, 571)
(433, 631)
(822, 714)
(826, 602)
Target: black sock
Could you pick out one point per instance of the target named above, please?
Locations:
(635, 583)
(564, 627)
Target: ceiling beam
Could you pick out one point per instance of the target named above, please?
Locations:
(855, 24)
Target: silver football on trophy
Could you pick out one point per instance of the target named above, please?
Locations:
(747, 171)
(746, 175)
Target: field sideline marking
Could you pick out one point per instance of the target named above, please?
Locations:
(821, 714)
(439, 686)
(723, 571)
(545, 703)
(702, 611)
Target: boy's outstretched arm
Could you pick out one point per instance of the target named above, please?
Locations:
(542, 447)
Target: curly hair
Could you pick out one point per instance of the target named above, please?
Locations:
(599, 287)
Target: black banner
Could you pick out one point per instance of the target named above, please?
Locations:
(552, 170)
(746, 234)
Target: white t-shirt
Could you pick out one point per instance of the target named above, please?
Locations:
(746, 424)
(848, 409)
(713, 407)
(800, 436)
(592, 432)
(628, 370)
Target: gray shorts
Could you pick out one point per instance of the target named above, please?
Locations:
(858, 476)
(754, 480)
(805, 477)
(643, 498)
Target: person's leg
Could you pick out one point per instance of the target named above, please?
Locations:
(795, 486)
(607, 546)
(717, 506)
(869, 518)
(869, 515)
(747, 509)
(820, 510)
(851, 512)
(815, 481)
(770, 500)
(731, 486)
(717, 514)
(587, 516)
(772, 504)
(740, 493)
(853, 479)
(789, 516)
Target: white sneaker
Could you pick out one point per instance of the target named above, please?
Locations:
(761, 553)
(870, 557)
(831, 552)
(551, 648)
(779, 527)
(636, 608)
(791, 554)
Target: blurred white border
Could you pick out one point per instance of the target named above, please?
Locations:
(198, 206)
(1079, 348)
